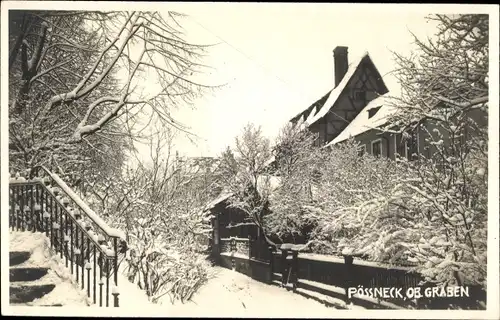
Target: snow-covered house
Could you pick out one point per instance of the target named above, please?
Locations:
(366, 127)
(359, 106)
(358, 87)
(373, 130)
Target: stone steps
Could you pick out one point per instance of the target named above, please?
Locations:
(28, 293)
(26, 274)
(18, 257)
(27, 282)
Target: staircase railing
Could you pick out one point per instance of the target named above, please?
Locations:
(42, 202)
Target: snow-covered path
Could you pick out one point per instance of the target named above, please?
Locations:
(232, 294)
(227, 294)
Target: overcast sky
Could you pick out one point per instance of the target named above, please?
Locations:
(277, 60)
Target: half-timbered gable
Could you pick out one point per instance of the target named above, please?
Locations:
(356, 84)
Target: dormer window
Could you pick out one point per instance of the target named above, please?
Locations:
(373, 111)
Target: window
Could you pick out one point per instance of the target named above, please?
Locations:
(377, 148)
(395, 149)
(362, 150)
(411, 145)
(400, 145)
(373, 111)
(407, 145)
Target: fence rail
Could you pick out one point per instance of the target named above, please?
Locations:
(260, 250)
(345, 273)
(89, 248)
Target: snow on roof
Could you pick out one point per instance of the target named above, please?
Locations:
(335, 93)
(264, 182)
(312, 108)
(362, 123)
(223, 196)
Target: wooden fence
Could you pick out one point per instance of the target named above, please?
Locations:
(326, 274)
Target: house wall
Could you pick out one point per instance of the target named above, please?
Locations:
(227, 216)
(349, 104)
(393, 143)
(387, 139)
(223, 217)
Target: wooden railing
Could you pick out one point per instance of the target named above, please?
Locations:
(344, 273)
(236, 245)
(41, 202)
(260, 250)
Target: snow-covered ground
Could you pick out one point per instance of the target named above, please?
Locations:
(227, 294)
(232, 294)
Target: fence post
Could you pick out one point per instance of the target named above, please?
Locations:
(271, 264)
(233, 244)
(348, 260)
(250, 246)
(284, 254)
(233, 250)
(295, 269)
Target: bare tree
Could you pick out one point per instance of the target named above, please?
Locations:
(78, 77)
(445, 97)
(158, 202)
(445, 77)
(34, 76)
(297, 163)
(242, 173)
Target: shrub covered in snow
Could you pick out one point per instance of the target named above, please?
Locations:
(161, 271)
(420, 213)
(158, 205)
(297, 165)
(240, 173)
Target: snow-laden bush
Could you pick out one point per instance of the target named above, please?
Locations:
(445, 83)
(430, 213)
(450, 196)
(297, 163)
(158, 204)
(422, 213)
(355, 205)
(161, 270)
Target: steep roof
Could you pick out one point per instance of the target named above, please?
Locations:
(312, 108)
(321, 107)
(363, 123)
(222, 197)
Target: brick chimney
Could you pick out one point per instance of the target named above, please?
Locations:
(340, 63)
